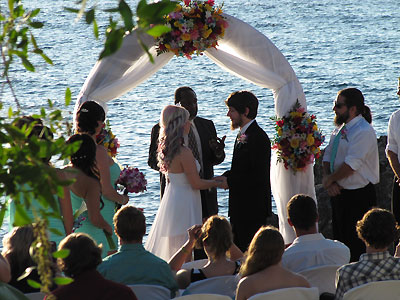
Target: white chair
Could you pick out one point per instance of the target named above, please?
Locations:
(150, 291)
(35, 296)
(322, 277)
(388, 290)
(204, 297)
(298, 293)
(221, 285)
(196, 264)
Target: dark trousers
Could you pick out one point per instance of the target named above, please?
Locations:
(347, 208)
(243, 231)
(396, 200)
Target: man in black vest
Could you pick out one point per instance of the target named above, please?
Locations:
(202, 140)
(248, 180)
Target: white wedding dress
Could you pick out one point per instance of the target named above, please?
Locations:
(180, 209)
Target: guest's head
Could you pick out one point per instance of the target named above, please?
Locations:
(350, 103)
(130, 225)
(174, 124)
(265, 250)
(84, 254)
(90, 118)
(302, 214)
(186, 97)
(16, 246)
(216, 236)
(377, 229)
(27, 121)
(242, 107)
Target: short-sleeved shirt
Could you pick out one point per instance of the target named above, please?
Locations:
(358, 148)
(372, 267)
(393, 141)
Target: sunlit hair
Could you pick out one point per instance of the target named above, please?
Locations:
(216, 233)
(378, 228)
(88, 116)
(302, 211)
(84, 158)
(130, 224)
(354, 97)
(265, 250)
(16, 246)
(170, 140)
(84, 254)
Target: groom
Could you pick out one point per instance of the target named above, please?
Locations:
(248, 179)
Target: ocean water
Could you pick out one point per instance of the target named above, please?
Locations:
(330, 45)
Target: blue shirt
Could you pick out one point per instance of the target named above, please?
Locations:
(132, 264)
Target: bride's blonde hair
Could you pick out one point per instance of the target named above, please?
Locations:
(170, 140)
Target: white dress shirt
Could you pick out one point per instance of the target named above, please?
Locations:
(311, 250)
(393, 141)
(358, 148)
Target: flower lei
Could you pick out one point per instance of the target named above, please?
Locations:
(297, 139)
(195, 26)
(108, 140)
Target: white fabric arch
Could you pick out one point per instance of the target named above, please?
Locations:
(243, 51)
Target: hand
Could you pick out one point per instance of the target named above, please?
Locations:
(125, 198)
(222, 182)
(217, 144)
(108, 229)
(194, 233)
(334, 189)
(326, 182)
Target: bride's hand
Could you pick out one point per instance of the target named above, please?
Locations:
(221, 182)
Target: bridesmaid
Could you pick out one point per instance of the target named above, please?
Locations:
(86, 189)
(90, 119)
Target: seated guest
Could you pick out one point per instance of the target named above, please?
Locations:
(262, 271)
(310, 248)
(16, 246)
(216, 238)
(132, 264)
(80, 264)
(378, 230)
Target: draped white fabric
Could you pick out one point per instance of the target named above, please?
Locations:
(243, 51)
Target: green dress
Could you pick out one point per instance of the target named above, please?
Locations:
(35, 205)
(107, 212)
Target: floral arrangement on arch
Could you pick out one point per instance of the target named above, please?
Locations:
(108, 140)
(298, 139)
(195, 26)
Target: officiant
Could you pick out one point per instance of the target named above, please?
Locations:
(202, 139)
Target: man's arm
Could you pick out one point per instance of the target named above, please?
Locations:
(394, 162)
(152, 161)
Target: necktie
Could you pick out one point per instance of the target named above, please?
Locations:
(237, 139)
(193, 145)
(335, 147)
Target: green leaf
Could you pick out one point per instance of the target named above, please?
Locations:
(111, 10)
(56, 231)
(34, 284)
(46, 58)
(95, 29)
(2, 214)
(21, 218)
(34, 12)
(27, 64)
(33, 41)
(70, 9)
(153, 13)
(113, 42)
(67, 96)
(63, 253)
(63, 280)
(11, 5)
(36, 24)
(126, 14)
(158, 30)
(89, 16)
(145, 48)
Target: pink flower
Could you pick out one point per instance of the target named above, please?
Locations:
(194, 35)
(210, 2)
(187, 2)
(242, 139)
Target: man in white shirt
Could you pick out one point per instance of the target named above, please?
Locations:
(310, 248)
(351, 167)
(393, 155)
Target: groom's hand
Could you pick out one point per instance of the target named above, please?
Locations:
(223, 182)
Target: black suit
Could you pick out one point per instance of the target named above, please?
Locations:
(206, 130)
(249, 185)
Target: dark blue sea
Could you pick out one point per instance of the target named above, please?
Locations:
(330, 45)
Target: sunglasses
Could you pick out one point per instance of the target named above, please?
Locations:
(338, 105)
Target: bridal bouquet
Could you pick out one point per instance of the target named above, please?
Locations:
(297, 139)
(132, 180)
(108, 140)
(195, 26)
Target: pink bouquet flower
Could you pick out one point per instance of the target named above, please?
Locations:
(132, 180)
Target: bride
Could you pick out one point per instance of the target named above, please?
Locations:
(180, 206)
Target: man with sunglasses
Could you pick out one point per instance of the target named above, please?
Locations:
(351, 167)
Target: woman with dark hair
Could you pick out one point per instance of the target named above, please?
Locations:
(181, 203)
(81, 263)
(90, 120)
(86, 189)
(216, 238)
(262, 271)
(42, 134)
